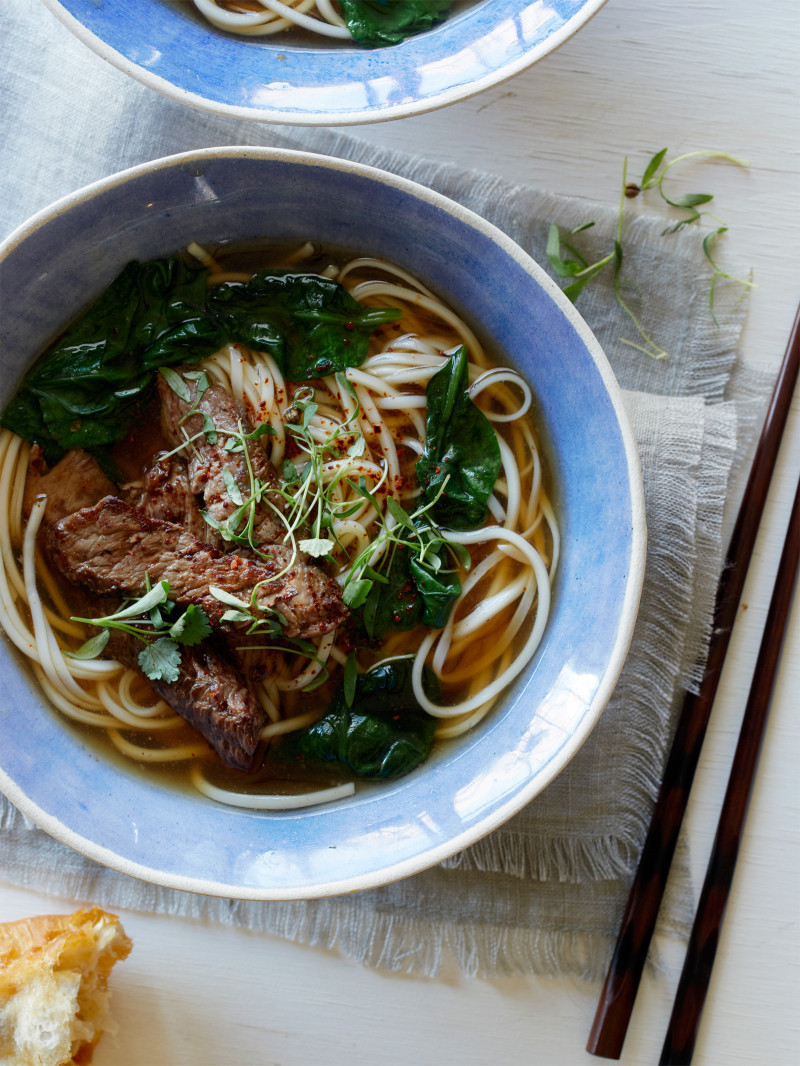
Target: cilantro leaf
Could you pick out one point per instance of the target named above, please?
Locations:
(192, 627)
(160, 661)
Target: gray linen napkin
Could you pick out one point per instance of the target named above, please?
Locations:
(545, 892)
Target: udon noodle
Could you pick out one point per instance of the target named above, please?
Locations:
(260, 18)
(496, 623)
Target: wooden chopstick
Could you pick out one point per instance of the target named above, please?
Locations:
(627, 964)
(693, 985)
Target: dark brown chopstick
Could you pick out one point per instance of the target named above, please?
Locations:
(693, 985)
(622, 981)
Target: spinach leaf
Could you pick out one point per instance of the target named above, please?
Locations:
(83, 392)
(310, 324)
(393, 602)
(382, 22)
(384, 733)
(461, 446)
(438, 592)
(418, 585)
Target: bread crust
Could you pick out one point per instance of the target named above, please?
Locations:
(79, 950)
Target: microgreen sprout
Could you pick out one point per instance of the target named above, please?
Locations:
(708, 243)
(653, 178)
(405, 562)
(581, 272)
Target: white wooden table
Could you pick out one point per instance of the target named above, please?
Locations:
(643, 75)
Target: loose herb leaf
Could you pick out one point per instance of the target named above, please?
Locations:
(227, 598)
(157, 595)
(350, 680)
(399, 513)
(192, 627)
(650, 171)
(176, 383)
(461, 448)
(93, 647)
(161, 660)
(231, 487)
(317, 547)
(209, 429)
(355, 593)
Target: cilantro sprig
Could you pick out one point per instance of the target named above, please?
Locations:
(268, 624)
(152, 620)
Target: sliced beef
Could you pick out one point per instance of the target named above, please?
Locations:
(165, 494)
(112, 548)
(76, 481)
(210, 693)
(206, 462)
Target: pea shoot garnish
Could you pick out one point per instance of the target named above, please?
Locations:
(567, 261)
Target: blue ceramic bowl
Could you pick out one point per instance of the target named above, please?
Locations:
(168, 46)
(66, 255)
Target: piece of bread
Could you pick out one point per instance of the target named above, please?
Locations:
(54, 986)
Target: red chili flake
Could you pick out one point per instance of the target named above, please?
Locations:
(348, 326)
(236, 562)
(345, 340)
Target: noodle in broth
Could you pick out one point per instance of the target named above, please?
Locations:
(377, 415)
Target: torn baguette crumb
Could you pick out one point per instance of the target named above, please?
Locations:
(54, 973)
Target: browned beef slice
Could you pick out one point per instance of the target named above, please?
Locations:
(165, 494)
(206, 462)
(76, 481)
(113, 547)
(210, 694)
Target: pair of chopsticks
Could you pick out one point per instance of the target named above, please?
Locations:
(622, 981)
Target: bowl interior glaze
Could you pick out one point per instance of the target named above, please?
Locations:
(58, 261)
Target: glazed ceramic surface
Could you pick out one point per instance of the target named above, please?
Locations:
(114, 811)
(308, 80)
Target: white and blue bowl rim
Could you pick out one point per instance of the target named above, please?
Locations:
(168, 47)
(127, 819)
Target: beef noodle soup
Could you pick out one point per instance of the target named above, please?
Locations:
(275, 522)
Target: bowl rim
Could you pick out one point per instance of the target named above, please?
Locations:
(317, 116)
(432, 855)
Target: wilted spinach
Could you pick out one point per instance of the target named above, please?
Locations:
(311, 325)
(83, 392)
(382, 22)
(461, 448)
(383, 733)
